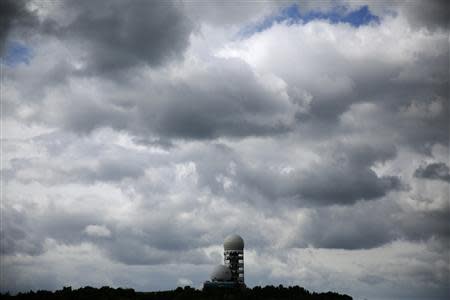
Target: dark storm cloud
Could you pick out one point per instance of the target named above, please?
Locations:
(163, 143)
(131, 253)
(159, 242)
(407, 105)
(439, 171)
(434, 14)
(224, 98)
(13, 14)
(345, 185)
(86, 115)
(422, 130)
(368, 225)
(408, 114)
(322, 185)
(119, 35)
(17, 233)
(228, 100)
(349, 177)
(420, 226)
(116, 170)
(357, 228)
(344, 179)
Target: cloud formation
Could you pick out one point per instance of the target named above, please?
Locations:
(137, 135)
(13, 14)
(146, 33)
(433, 171)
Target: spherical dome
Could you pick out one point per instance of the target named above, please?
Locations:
(221, 273)
(233, 242)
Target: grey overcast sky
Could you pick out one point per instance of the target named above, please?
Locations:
(136, 135)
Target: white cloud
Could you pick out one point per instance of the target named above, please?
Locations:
(184, 282)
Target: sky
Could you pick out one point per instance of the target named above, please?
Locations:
(137, 135)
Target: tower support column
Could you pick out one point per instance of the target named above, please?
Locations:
(234, 259)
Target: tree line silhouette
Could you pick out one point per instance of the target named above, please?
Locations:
(187, 293)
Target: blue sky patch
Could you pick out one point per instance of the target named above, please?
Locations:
(17, 53)
(292, 15)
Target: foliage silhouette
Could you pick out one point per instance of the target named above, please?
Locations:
(186, 293)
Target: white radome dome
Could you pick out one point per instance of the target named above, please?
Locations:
(233, 242)
(221, 273)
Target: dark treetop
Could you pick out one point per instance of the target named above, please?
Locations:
(107, 293)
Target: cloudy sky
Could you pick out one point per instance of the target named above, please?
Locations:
(137, 135)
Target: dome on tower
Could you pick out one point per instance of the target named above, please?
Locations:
(221, 273)
(233, 242)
